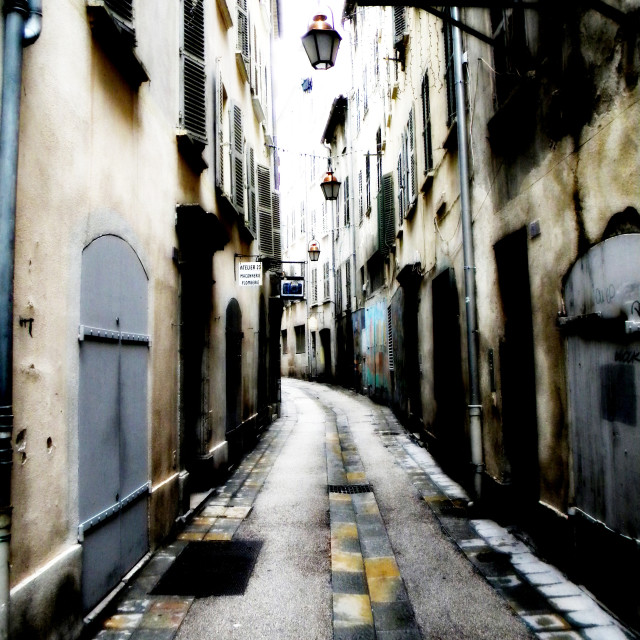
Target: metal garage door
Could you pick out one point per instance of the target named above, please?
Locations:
(112, 415)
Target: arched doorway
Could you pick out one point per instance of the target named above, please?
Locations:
(112, 415)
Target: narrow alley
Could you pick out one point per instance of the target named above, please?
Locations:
(337, 525)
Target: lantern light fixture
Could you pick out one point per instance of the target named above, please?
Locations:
(314, 250)
(330, 185)
(321, 42)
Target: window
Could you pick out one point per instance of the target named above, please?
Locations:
(390, 339)
(265, 211)
(218, 123)
(338, 291)
(347, 200)
(379, 156)
(242, 45)
(511, 55)
(193, 110)
(386, 215)
(449, 72)
(285, 344)
(360, 198)
(314, 285)
(251, 192)
(367, 168)
(325, 273)
(112, 26)
(300, 338)
(275, 229)
(407, 189)
(375, 269)
(426, 122)
(347, 276)
(236, 127)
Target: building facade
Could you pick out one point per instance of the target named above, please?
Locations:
(142, 364)
(550, 106)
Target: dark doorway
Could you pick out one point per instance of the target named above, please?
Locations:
(195, 313)
(451, 441)
(517, 368)
(234, 337)
(263, 358)
(325, 341)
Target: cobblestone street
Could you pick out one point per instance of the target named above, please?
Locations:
(337, 525)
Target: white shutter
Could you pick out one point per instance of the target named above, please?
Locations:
(265, 211)
(237, 158)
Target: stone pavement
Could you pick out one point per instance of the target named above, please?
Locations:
(400, 535)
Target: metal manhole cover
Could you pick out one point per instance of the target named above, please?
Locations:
(207, 569)
(350, 488)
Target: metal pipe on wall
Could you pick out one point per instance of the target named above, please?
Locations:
(475, 407)
(22, 26)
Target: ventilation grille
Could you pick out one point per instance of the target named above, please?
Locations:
(350, 488)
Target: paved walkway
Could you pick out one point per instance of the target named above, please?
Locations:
(347, 529)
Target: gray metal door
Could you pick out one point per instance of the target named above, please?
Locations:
(602, 297)
(112, 415)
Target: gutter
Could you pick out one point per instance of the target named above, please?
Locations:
(22, 26)
(475, 406)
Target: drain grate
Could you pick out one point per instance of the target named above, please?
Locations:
(350, 488)
(206, 569)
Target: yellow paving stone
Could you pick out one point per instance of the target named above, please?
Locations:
(339, 497)
(385, 589)
(356, 475)
(344, 530)
(369, 508)
(191, 536)
(238, 512)
(217, 535)
(204, 521)
(351, 609)
(382, 567)
(346, 561)
(214, 511)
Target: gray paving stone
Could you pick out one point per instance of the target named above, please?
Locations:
(393, 616)
(348, 582)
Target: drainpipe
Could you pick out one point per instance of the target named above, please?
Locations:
(22, 26)
(475, 407)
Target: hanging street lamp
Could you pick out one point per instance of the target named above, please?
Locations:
(321, 42)
(314, 250)
(330, 185)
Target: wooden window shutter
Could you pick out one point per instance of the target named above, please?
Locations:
(399, 24)
(347, 211)
(401, 185)
(386, 214)
(411, 142)
(426, 120)
(360, 199)
(219, 127)
(265, 221)
(277, 246)
(390, 339)
(193, 75)
(243, 30)
(252, 195)
(122, 8)
(237, 158)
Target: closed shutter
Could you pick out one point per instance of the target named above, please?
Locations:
(193, 75)
(386, 231)
(243, 30)
(360, 201)
(252, 195)
(277, 246)
(264, 211)
(325, 270)
(219, 127)
(399, 24)
(390, 340)
(401, 186)
(412, 186)
(426, 120)
(237, 158)
(314, 285)
(347, 275)
(347, 210)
